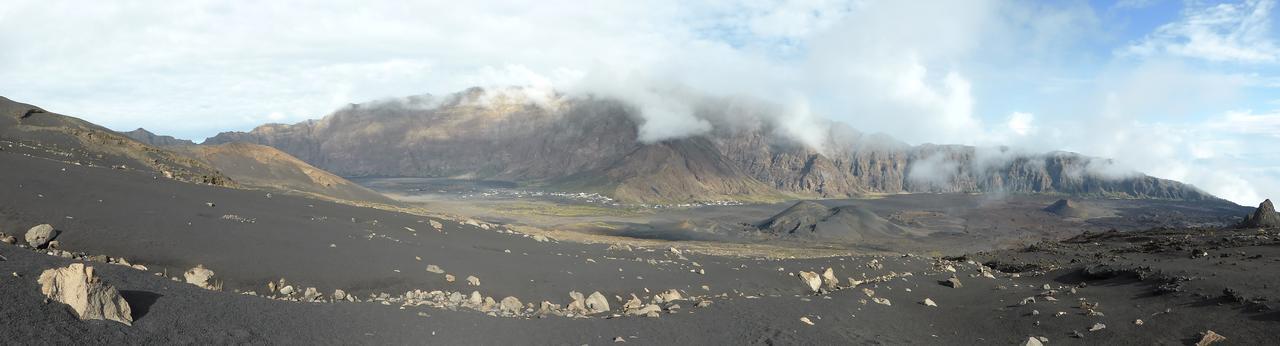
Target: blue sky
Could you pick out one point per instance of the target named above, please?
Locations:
(1184, 90)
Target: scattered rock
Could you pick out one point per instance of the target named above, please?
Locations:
(449, 278)
(40, 235)
(669, 296)
(311, 294)
(434, 269)
(200, 277)
(1097, 327)
(596, 303)
(881, 301)
(510, 306)
(1033, 341)
(473, 281)
(286, 290)
(829, 279)
(339, 295)
(91, 299)
(951, 282)
(1138, 322)
(813, 280)
(540, 238)
(619, 339)
(929, 302)
(806, 320)
(8, 239)
(1210, 337)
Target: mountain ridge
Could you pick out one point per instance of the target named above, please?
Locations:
(592, 143)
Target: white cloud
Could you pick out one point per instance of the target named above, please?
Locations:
(1220, 32)
(1021, 123)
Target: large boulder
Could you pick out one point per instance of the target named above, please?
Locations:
(201, 277)
(91, 299)
(39, 236)
(1264, 217)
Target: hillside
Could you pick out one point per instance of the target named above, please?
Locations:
(265, 167)
(591, 143)
(48, 135)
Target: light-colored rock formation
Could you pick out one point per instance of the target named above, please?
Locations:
(40, 235)
(79, 287)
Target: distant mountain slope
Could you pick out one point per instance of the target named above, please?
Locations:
(266, 167)
(33, 131)
(591, 143)
(64, 138)
(144, 136)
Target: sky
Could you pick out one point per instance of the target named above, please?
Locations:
(1183, 90)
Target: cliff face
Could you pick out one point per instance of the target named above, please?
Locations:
(591, 144)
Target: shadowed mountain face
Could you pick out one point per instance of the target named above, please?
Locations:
(591, 144)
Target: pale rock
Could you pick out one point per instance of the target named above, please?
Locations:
(200, 276)
(510, 306)
(40, 235)
(596, 303)
(91, 299)
(829, 279)
(812, 280)
(1210, 337)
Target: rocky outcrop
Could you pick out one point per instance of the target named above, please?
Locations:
(1263, 217)
(592, 144)
(81, 289)
(1066, 208)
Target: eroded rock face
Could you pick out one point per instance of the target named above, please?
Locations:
(39, 236)
(86, 294)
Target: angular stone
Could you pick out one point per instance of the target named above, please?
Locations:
(40, 235)
(91, 299)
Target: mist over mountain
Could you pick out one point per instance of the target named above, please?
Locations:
(746, 151)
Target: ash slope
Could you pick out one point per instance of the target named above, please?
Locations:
(586, 143)
(40, 133)
(33, 131)
(166, 225)
(265, 167)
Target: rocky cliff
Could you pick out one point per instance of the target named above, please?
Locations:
(591, 143)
